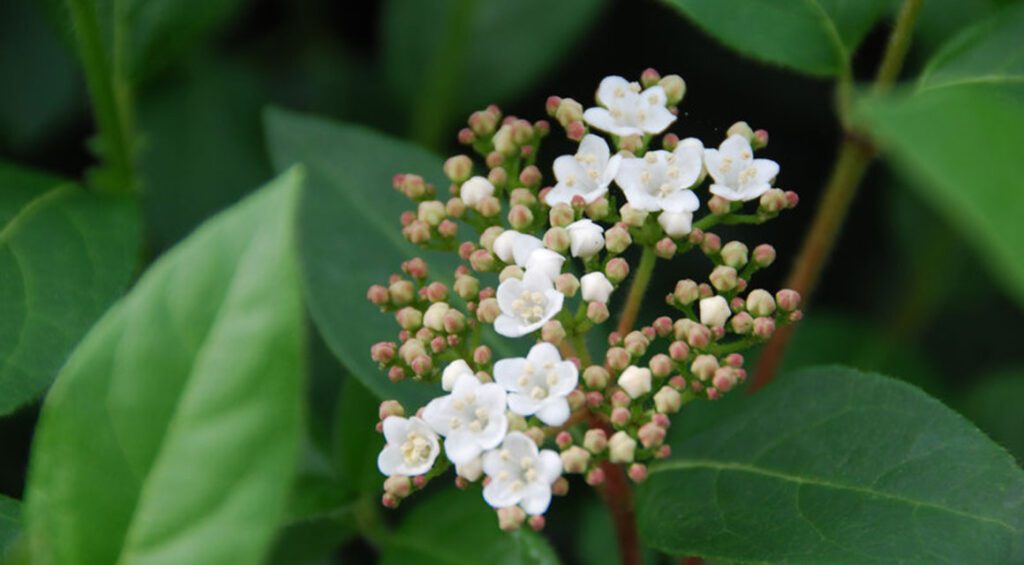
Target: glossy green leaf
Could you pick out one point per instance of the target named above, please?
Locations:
(350, 236)
(356, 441)
(172, 434)
(10, 523)
(458, 528)
(450, 57)
(202, 149)
(994, 404)
(65, 255)
(831, 465)
(956, 137)
(811, 36)
(320, 517)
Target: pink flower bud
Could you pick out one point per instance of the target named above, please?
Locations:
(595, 477)
(378, 295)
(724, 379)
(438, 345)
(760, 303)
(649, 77)
(678, 350)
(675, 88)
(617, 270)
(483, 122)
(666, 248)
(383, 352)
(536, 434)
(482, 355)
(596, 377)
(621, 448)
(638, 472)
(407, 218)
(742, 323)
(594, 399)
(498, 176)
(458, 168)
(493, 161)
(734, 254)
(398, 486)
(711, 244)
(699, 336)
(511, 518)
(417, 232)
(598, 209)
(661, 365)
(704, 367)
(620, 399)
(686, 292)
(421, 365)
(561, 215)
(636, 343)
(388, 500)
(488, 207)
(563, 440)
(773, 201)
(575, 459)
(764, 327)
(390, 408)
(531, 177)
(568, 112)
(536, 523)
(482, 261)
(488, 311)
(597, 312)
(560, 487)
(788, 300)
(520, 217)
(466, 136)
(669, 142)
(724, 278)
(792, 199)
(522, 196)
(557, 239)
(651, 435)
(764, 255)
(409, 318)
(760, 140)
(719, 206)
(413, 186)
(617, 239)
(620, 417)
(447, 229)
(741, 129)
(617, 358)
(396, 374)
(552, 332)
(453, 321)
(510, 272)
(567, 284)
(667, 400)
(551, 105)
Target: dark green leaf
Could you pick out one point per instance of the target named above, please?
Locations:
(65, 255)
(172, 434)
(202, 147)
(832, 465)
(457, 527)
(811, 36)
(989, 53)
(10, 523)
(995, 406)
(350, 236)
(319, 518)
(356, 441)
(447, 58)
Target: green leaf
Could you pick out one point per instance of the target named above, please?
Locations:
(816, 37)
(994, 405)
(10, 523)
(356, 442)
(956, 137)
(833, 465)
(457, 527)
(320, 517)
(65, 255)
(202, 149)
(350, 236)
(172, 434)
(447, 58)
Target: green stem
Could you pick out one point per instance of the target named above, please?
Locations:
(637, 289)
(108, 91)
(580, 345)
(855, 155)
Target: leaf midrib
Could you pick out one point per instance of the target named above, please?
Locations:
(31, 208)
(719, 466)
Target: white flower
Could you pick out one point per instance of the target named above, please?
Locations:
(596, 287)
(586, 238)
(636, 381)
(472, 418)
(474, 190)
(587, 173)
(660, 180)
(516, 247)
(411, 447)
(545, 261)
(621, 448)
(676, 224)
(472, 470)
(627, 111)
(452, 372)
(714, 311)
(526, 304)
(539, 383)
(521, 474)
(737, 175)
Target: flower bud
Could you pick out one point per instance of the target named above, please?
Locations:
(619, 416)
(475, 190)
(617, 270)
(531, 177)
(686, 292)
(710, 244)
(536, 434)
(504, 144)
(651, 435)
(598, 209)
(520, 217)
(551, 105)
(575, 131)
(789, 300)
(552, 332)
(383, 352)
(724, 379)
(635, 381)
(724, 278)
(631, 143)
(666, 248)
(595, 376)
(597, 312)
(458, 168)
(576, 398)
(467, 287)
(470, 471)
(661, 365)
(595, 477)
(390, 408)
(617, 358)
(398, 486)
(567, 284)
(433, 318)
(488, 207)
(560, 487)
(413, 186)
(741, 129)
(482, 261)
(714, 311)
(488, 311)
(417, 232)
(409, 318)
(522, 196)
(596, 287)
(378, 295)
(742, 323)
(734, 254)
(649, 78)
(760, 140)
(675, 88)
(719, 206)
(510, 272)
(482, 355)
(483, 122)
(621, 448)
(557, 239)
(563, 440)
(568, 111)
(447, 229)
(454, 321)
(760, 303)
(676, 224)
(631, 216)
(466, 136)
(636, 344)
(637, 472)
(561, 215)
(678, 350)
(511, 518)
(667, 400)
(773, 201)
(421, 365)
(704, 367)
(497, 175)
(764, 255)
(764, 327)
(575, 459)
(617, 239)
(595, 440)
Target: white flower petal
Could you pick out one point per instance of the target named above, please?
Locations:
(522, 404)
(461, 447)
(389, 460)
(536, 499)
(395, 429)
(554, 411)
(509, 327)
(658, 119)
(549, 466)
(544, 352)
(523, 247)
(499, 494)
(611, 89)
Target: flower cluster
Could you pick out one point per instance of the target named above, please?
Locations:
(541, 268)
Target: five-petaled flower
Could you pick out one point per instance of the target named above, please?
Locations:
(521, 474)
(661, 180)
(471, 419)
(628, 111)
(411, 448)
(586, 174)
(526, 304)
(538, 384)
(737, 175)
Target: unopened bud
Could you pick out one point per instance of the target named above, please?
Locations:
(621, 448)
(764, 255)
(551, 105)
(498, 176)
(561, 215)
(651, 435)
(666, 248)
(483, 122)
(638, 472)
(467, 287)
(595, 477)
(488, 207)
(595, 376)
(789, 300)
(482, 355)
(742, 323)
(557, 239)
(511, 518)
(617, 270)
(383, 352)
(422, 365)
(773, 201)
(760, 140)
(531, 177)
(724, 379)
(510, 272)
(454, 321)
(686, 292)
(636, 343)
(678, 350)
(520, 217)
(409, 318)
(661, 365)
(719, 206)
(568, 111)
(724, 278)
(619, 416)
(617, 358)
(378, 295)
(631, 216)
(667, 400)
(764, 327)
(598, 209)
(741, 129)
(704, 367)
(488, 311)
(597, 312)
(760, 303)
(595, 440)
(617, 239)
(458, 168)
(390, 408)
(575, 130)
(675, 88)
(575, 459)
(711, 244)
(734, 254)
(552, 332)
(482, 261)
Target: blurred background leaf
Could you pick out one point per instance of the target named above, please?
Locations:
(995, 405)
(65, 256)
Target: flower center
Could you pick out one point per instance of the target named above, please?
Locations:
(415, 449)
(530, 306)
(748, 175)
